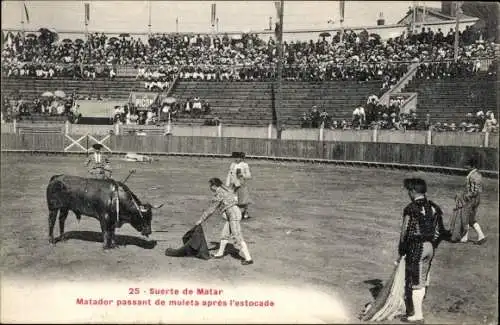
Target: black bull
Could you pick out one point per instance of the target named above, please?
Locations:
(96, 198)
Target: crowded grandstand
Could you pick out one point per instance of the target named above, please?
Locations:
(360, 63)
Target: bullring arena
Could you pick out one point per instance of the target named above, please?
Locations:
(334, 239)
(326, 194)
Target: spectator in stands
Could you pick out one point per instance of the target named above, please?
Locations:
(188, 106)
(413, 123)
(323, 117)
(320, 60)
(480, 119)
(358, 117)
(206, 107)
(197, 109)
(141, 71)
(150, 118)
(75, 114)
(112, 74)
(490, 124)
(315, 117)
(305, 121)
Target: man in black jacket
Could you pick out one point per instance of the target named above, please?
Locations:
(421, 232)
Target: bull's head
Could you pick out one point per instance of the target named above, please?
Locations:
(147, 217)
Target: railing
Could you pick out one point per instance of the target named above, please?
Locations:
(172, 85)
(392, 155)
(458, 138)
(384, 99)
(410, 103)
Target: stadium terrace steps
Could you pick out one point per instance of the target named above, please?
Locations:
(29, 89)
(240, 103)
(39, 118)
(234, 103)
(449, 100)
(339, 98)
(251, 103)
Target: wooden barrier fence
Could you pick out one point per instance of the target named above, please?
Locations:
(475, 139)
(394, 154)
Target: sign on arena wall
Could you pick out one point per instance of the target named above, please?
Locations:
(142, 100)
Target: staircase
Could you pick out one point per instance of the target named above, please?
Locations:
(402, 83)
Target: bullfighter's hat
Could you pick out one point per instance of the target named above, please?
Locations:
(416, 184)
(97, 146)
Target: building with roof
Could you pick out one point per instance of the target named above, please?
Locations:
(444, 19)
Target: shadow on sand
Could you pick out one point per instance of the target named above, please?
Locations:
(377, 286)
(121, 240)
(230, 250)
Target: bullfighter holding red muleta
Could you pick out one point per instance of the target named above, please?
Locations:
(225, 203)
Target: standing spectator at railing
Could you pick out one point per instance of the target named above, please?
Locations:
(490, 124)
(149, 117)
(412, 121)
(323, 117)
(188, 106)
(315, 117)
(112, 73)
(356, 118)
(196, 106)
(480, 119)
(134, 117)
(206, 107)
(404, 122)
(75, 113)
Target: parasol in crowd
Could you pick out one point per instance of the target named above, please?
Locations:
(325, 34)
(79, 41)
(67, 40)
(169, 100)
(47, 94)
(60, 94)
(113, 40)
(124, 35)
(31, 36)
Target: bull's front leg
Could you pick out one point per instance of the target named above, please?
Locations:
(52, 222)
(63, 214)
(113, 236)
(108, 229)
(105, 232)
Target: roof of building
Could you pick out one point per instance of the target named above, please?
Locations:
(432, 15)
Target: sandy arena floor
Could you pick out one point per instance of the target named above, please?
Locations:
(314, 226)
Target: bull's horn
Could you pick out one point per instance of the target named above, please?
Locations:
(157, 207)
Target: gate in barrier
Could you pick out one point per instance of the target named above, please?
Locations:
(85, 143)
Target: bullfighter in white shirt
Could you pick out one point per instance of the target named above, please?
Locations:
(237, 179)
